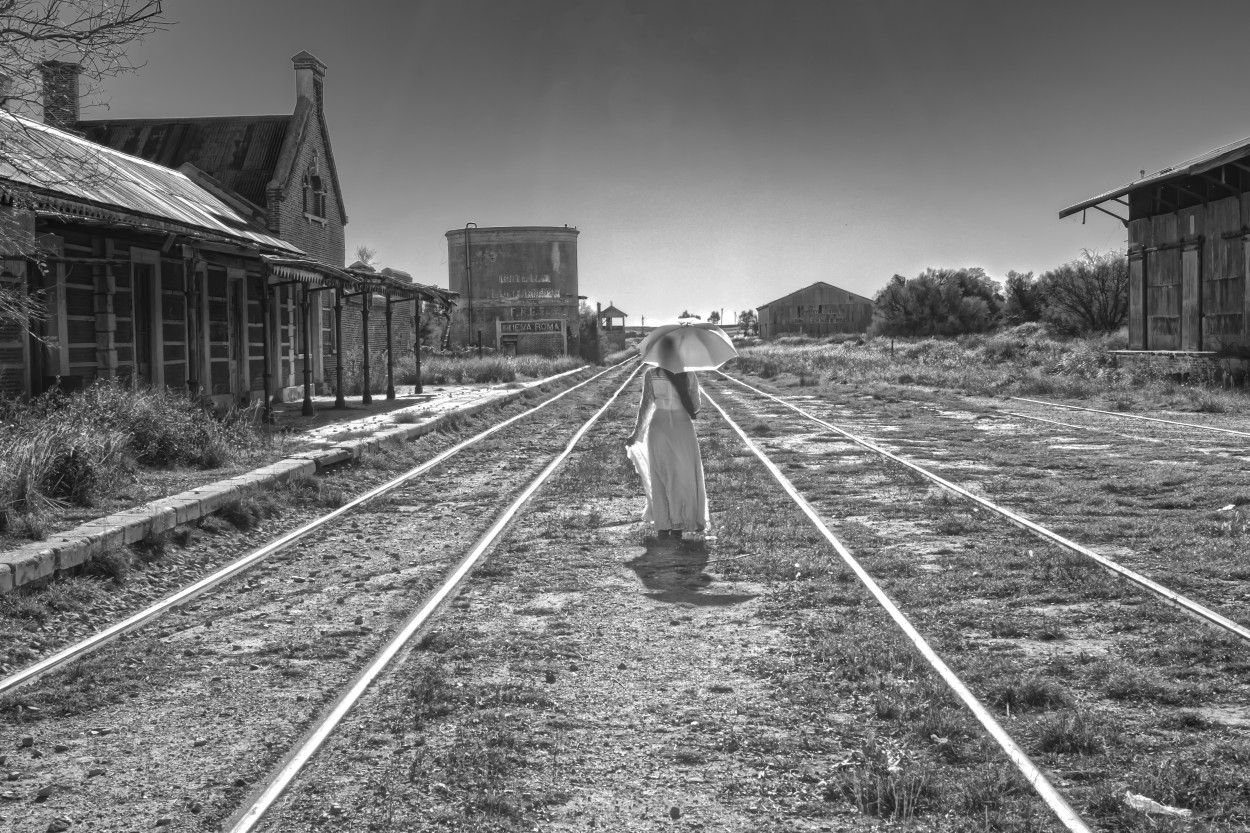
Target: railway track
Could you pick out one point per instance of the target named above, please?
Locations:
(276, 695)
(1195, 609)
(1042, 602)
(274, 636)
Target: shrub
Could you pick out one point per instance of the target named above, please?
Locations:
(937, 302)
(59, 447)
(1086, 295)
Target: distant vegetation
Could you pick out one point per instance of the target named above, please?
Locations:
(1025, 360)
(1084, 296)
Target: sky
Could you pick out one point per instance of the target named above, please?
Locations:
(719, 155)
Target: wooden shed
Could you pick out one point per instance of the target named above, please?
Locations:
(817, 310)
(1188, 229)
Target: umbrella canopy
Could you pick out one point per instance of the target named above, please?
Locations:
(680, 348)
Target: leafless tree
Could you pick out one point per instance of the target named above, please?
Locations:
(366, 255)
(97, 35)
(94, 35)
(1089, 294)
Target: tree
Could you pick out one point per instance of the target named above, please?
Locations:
(367, 255)
(746, 321)
(688, 314)
(1089, 294)
(714, 318)
(94, 35)
(1024, 300)
(937, 302)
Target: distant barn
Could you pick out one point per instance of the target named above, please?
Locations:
(816, 310)
(1188, 246)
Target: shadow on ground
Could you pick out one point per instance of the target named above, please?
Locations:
(674, 573)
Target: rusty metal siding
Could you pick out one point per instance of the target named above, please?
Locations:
(524, 273)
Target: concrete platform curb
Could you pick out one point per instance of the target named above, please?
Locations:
(74, 547)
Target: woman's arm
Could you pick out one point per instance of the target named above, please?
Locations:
(648, 396)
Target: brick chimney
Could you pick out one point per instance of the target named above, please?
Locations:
(60, 93)
(310, 76)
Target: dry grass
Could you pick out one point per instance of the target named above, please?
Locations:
(450, 369)
(68, 449)
(1021, 361)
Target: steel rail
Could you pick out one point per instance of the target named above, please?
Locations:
(191, 591)
(1036, 778)
(249, 818)
(1169, 596)
(1132, 416)
(1080, 427)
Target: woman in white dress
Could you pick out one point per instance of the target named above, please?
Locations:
(665, 451)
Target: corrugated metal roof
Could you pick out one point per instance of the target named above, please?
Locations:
(240, 152)
(1199, 164)
(54, 163)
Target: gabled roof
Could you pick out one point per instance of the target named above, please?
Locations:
(246, 154)
(613, 312)
(1202, 163)
(240, 152)
(68, 175)
(785, 298)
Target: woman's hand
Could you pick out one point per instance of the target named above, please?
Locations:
(631, 439)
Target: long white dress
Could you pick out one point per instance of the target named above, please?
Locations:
(666, 456)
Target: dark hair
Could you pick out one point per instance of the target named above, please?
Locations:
(681, 381)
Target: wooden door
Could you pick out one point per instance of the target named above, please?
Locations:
(142, 320)
(238, 338)
(1191, 297)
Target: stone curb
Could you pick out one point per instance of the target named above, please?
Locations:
(73, 547)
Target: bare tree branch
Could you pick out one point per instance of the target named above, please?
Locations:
(96, 35)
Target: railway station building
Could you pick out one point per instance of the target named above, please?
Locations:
(820, 309)
(517, 287)
(170, 277)
(1188, 237)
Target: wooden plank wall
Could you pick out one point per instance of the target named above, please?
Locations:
(255, 333)
(173, 301)
(1223, 276)
(1139, 239)
(13, 341)
(123, 311)
(1163, 285)
(218, 326)
(1192, 223)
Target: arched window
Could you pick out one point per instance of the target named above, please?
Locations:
(314, 193)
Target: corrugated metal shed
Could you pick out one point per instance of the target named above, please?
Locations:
(70, 174)
(240, 152)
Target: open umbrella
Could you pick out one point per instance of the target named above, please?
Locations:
(680, 348)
